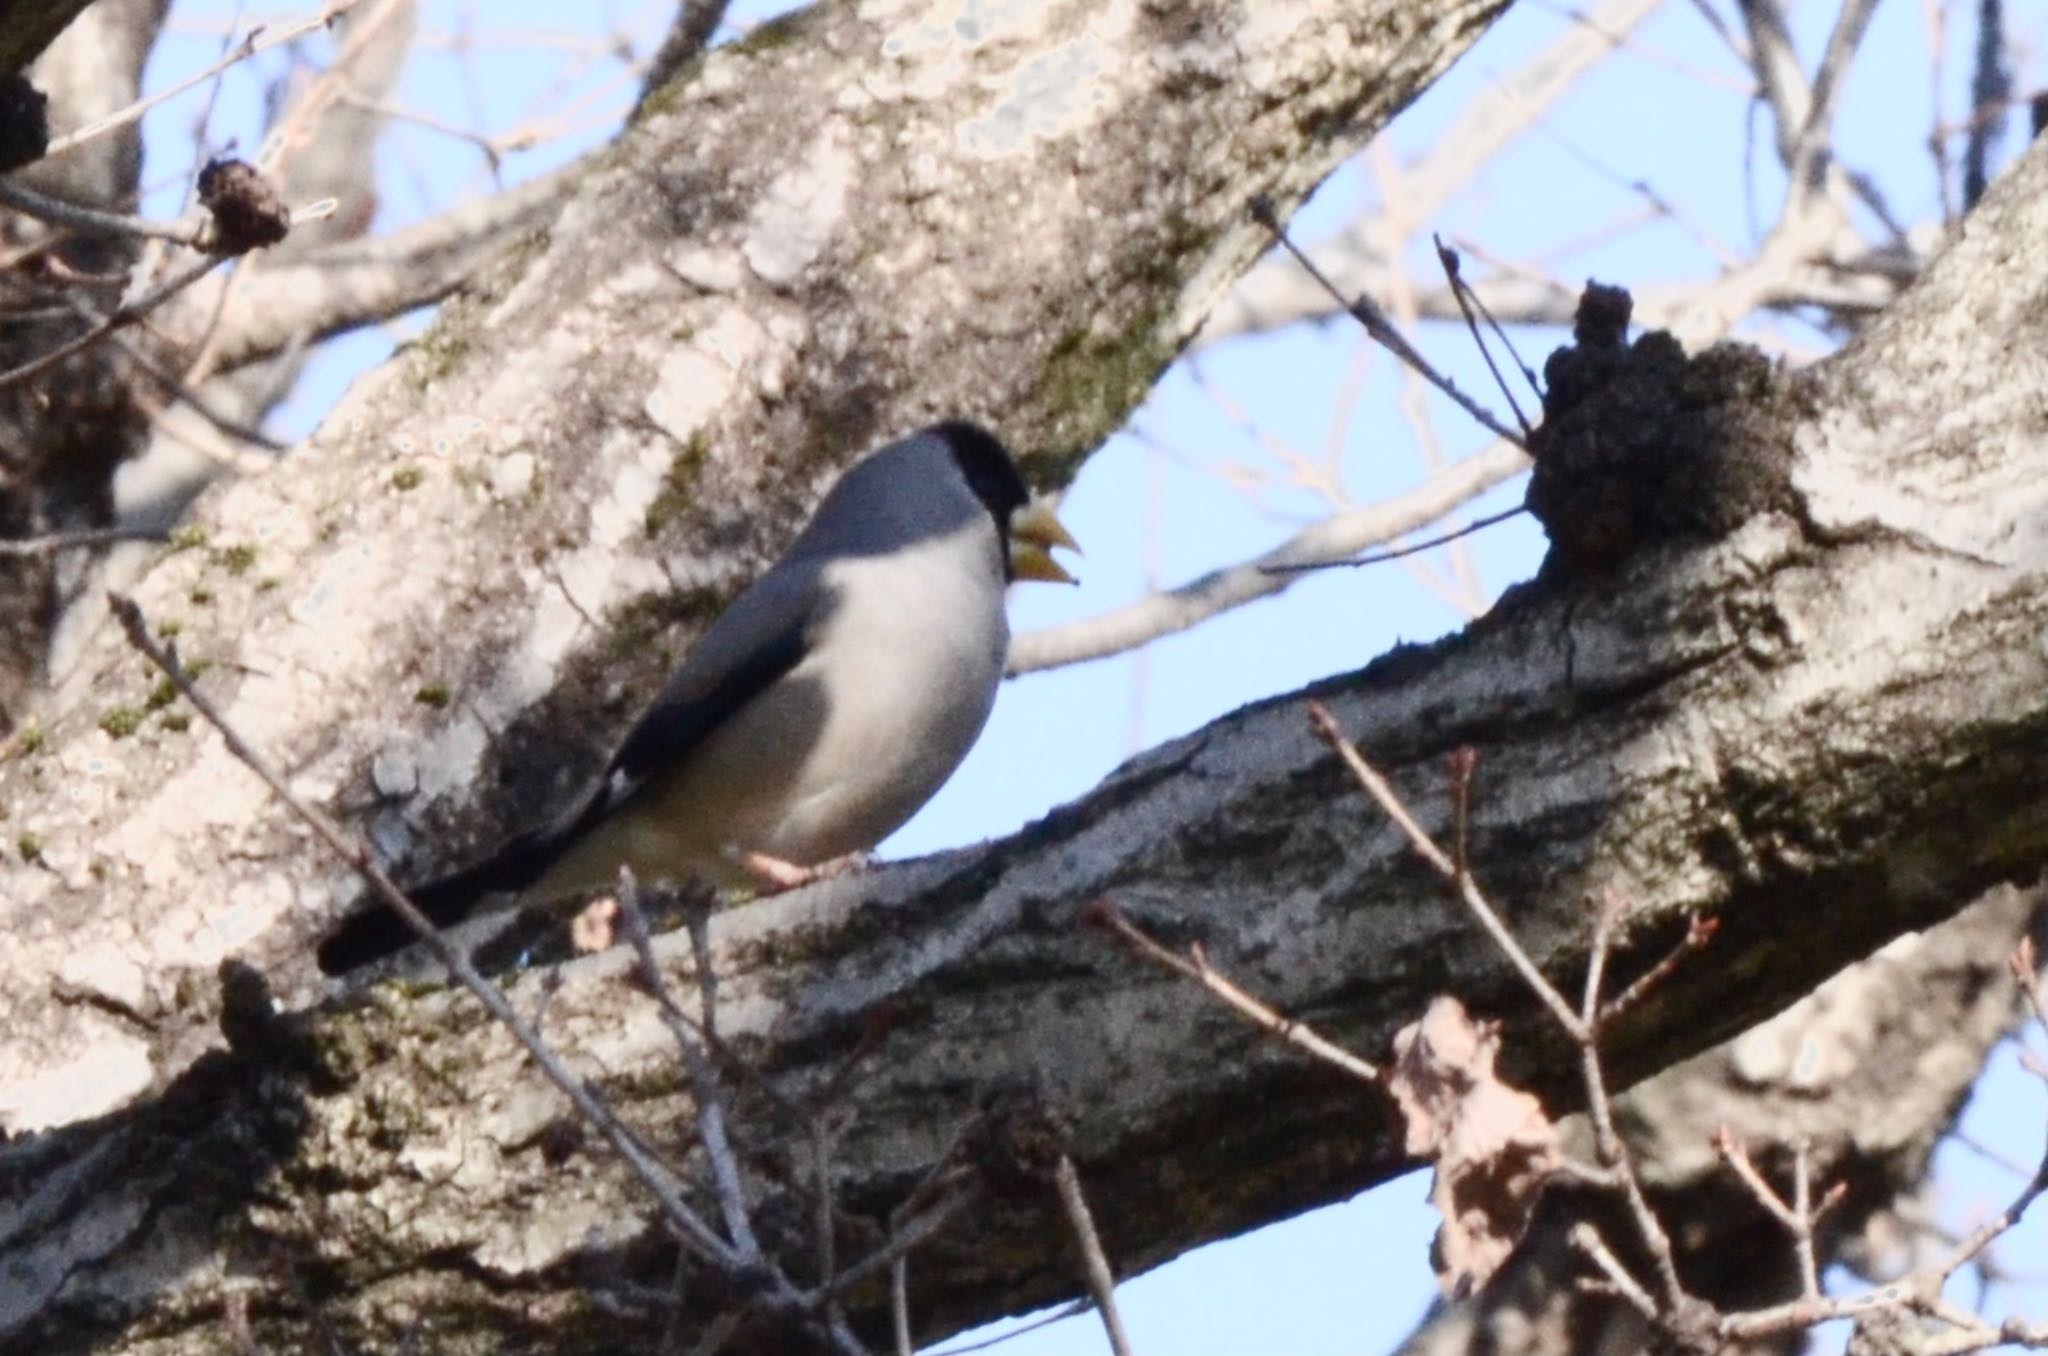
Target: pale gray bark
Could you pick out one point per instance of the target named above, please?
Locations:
(201, 415)
(1823, 727)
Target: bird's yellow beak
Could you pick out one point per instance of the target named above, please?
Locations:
(1034, 532)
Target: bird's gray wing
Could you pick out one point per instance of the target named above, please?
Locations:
(754, 643)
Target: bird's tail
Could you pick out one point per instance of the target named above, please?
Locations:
(373, 932)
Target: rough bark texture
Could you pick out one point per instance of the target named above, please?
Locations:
(200, 338)
(1824, 726)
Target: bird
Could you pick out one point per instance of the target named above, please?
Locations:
(818, 712)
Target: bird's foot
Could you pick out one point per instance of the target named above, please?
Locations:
(776, 874)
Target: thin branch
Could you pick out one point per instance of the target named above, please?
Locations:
(1400, 552)
(1776, 63)
(1699, 931)
(259, 39)
(190, 230)
(1383, 793)
(1803, 1210)
(1582, 1026)
(704, 1084)
(199, 403)
(1737, 1158)
(1366, 312)
(1196, 966)
(2025, 968)
(718, 1332)
(81, 538)
(899, 1306)
(1810, 148)
(1447, 258)
(688, 38)
(1984, 1234)
(903, 1240)
(1990, 88)
(1059, 1315)
(1273, 295)
(1095, 1265)
(1340, 536)
(1587, 1241)
(1607, 1139)
(127, 313)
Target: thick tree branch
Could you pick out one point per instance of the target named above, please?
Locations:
(28, 28)
(1835, 712)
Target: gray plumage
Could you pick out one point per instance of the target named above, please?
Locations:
(818, 712)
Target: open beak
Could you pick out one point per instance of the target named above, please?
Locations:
(1034, 532)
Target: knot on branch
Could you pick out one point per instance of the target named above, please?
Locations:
(248, 211)
(1641, 444)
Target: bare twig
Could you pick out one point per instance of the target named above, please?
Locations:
(1195, 966)
(906, 1238)
(1699, 931)
(331, 288)
(1810, 147)
(696, 22)
(1095, 1265)
(1400, 552)
(127, 313)
(1464, 763)
(1059, 1315)
(1581, 1026)
(1338, 537)
(1586, 1239)
(1272, 295)
(718, 1332)
(1382, 792)
(704, 1084)
(1366, 312)
(2026, 972)
(899, 1305)
(1990, 88)
(1984, 1234)
(819, 1144)
(85, 537)
(1447, 259)
(259, 39)
(78, 217)
(1796, 1216)
(1613, 1150)
(199, 403)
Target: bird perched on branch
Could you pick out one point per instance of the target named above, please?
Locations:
(816, 715)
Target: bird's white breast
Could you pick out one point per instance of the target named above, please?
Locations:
(900, 678)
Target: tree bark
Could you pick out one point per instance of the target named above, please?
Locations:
(1822, 726)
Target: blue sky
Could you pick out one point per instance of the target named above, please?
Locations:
(1170, 502)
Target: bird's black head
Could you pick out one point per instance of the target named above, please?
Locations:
(988, 468)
